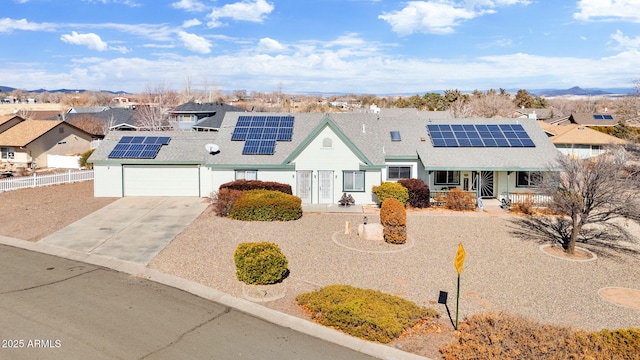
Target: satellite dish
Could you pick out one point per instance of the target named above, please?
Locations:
(212, 148)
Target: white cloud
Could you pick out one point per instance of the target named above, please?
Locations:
(90, 40)
(20, 1)
(269, 45)
(7, 25)
(195, 43)
(625, 42)
(191, 23)
(253, 11)
(625, 10)
(427, 17)
(441, 16)
(190, 5)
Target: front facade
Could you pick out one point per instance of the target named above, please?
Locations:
(323, 156)
(28, 143)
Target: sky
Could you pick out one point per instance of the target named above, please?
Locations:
(305, 46)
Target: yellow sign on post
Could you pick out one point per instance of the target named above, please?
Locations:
(459, 258)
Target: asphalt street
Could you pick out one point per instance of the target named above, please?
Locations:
(55, 308)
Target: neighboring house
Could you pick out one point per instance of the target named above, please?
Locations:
(200, 116)
(579, 141)
(323, 156)
(28, 143)
(100, 123)
(547, 114)
(8, 121)
(87, 109)
(588, 119)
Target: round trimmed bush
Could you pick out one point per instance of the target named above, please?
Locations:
(260, 263)
(391, 190)
(266, 205)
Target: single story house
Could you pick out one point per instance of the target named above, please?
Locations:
(28, 143)
(579, 141)
(323, 156)
(598, 119)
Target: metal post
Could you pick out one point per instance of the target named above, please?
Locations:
(457, 302)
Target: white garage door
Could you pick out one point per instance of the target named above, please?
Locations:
(169, 180)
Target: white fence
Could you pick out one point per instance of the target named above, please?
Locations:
(538, 199)
(35, 180)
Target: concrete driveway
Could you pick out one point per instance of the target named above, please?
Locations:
(132, 228)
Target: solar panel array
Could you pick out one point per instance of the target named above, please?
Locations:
(603, 117)
(470, 135)
(138, 147)
(260, 133)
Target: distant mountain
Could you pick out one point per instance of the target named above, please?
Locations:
(578, 91)
(7, 89)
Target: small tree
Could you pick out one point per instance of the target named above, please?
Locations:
(591, 191)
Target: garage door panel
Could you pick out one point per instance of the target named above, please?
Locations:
(144, 180)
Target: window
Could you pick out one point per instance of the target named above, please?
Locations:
(7, 153)
(528, 178)
(447, 178)
(353, 180)
(246, 175)
(399, 172)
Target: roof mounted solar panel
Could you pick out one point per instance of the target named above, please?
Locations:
(481, 135)
(243, 121)
(138, 147)
(239, 134)
(607, 117)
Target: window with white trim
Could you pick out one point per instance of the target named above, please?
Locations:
(7, 153)
(447, 177)
(246, 175)
(398, 172)
(353, 180)
(528, 178)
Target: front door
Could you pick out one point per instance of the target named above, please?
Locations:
(325, 186)
(486, 184)
(303, 185)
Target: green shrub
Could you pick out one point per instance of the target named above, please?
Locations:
(391, 190)
(266, 205)
(419, 194)
(245, 185)
(224, 200)
(367, 314)
(260, 263)
(460, 200)
(83, 159)
(505, 336)
(393, 217)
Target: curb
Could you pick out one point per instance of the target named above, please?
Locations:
(376, 350)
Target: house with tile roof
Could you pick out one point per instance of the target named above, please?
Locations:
(579, 141)
(28, 143)
(323, 156)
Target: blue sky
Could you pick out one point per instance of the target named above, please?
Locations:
(353, 46)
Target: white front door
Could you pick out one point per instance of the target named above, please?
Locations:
(303, 185)
(325, 186)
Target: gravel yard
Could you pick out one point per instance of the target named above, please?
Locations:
(31, 214)
(501, 270)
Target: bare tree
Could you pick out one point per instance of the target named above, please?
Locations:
(591, 191)
(153, 111)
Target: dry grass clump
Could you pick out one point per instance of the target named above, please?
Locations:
(505, 336)
(364, 313)
(459, 200)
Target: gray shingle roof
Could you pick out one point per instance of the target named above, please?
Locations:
(369, 134)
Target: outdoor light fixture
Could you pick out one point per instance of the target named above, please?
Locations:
(364, 221)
